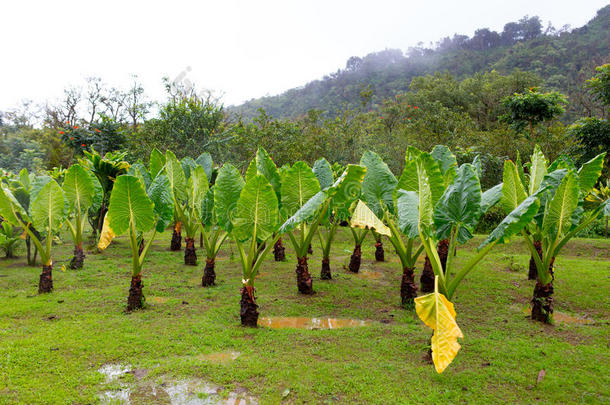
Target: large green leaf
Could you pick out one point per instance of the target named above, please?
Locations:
(98, 191)
(589, 173)
(188, 165)
(447, 162)
(324, 173)
(205, 160)
(299, 184)
(558, 213)
(197, 187)
(160, 193)
(422, 171)
(266, 167)
(460, 206)
(226, 193)
(129, 203)
(157, 161)
(10, 207)
(515, 221)
(513, 192)
(139, 170)
(207, 208)
(305, 213)
(378, 184)
(407, 207)
(346, 191)
(78, 188)
(48, 208)
(537, 170)
(38, 183)
(257, 210)
(176, 176)
(491, 197)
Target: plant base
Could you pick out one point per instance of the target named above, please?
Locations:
(354, 261)
(408, 289)
(310, 249)
(176, 243)
(325, 272)
(279, 251)
(45, 284)
(304, 281)
(542, 303)
(443, 251)
(379, 253)
(533, 271)
(136, 297)
(209, 275)
(190, 253)
(78, 259)
(248, 313)
(426, 280)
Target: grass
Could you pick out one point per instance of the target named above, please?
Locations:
(51, 345)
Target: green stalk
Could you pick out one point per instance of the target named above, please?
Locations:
(466, 269)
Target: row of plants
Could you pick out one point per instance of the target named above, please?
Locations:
(432, 208)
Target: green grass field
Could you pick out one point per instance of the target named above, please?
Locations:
(51, 346)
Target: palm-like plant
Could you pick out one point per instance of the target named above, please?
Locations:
(135, 210)
(79, 190)
(46, 214)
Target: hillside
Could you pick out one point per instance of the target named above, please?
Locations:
(563, 58)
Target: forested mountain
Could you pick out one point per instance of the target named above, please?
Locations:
(563, 58)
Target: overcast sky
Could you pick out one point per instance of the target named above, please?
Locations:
(238, 48)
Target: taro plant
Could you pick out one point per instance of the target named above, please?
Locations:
(9, 239)
(134, 210)
(453, 217)
(46, 214)
(561, 216)
(251, 222)
(79, 191)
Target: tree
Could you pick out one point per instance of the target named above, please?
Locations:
(600, 84)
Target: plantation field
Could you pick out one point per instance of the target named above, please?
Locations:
(52, 345)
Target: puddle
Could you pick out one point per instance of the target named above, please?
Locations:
(220, 357)
(369, 275)
(157, 300)
(174, 392)
(309, 323)
(563, 318)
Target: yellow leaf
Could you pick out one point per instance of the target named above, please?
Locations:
(63, 268)
(106, 236)
(364, 218)
(438, 313)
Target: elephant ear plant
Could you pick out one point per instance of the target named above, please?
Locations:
(79, 191)
(134, 211)
(47, 213)
(252, 222)
(453, 217)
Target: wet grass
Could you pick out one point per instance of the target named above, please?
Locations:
(52, 345)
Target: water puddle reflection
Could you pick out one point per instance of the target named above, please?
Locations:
(279, 322)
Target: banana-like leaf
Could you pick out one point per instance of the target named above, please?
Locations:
(207, 208)
(324, 173)
(537, 170)
(205, 160)
(438, 313)
(491, 197)
(364, 218)
(188, 165)
(305, 213)
(38, 183)
(562, 162)
(378, 184)
(447, 162)
(48, 208)
(299, 184)
(346, 191)
(98, 191)
(139, 170)
(197, 187)
(78, 188)
(160, 193)
(266, 167)
(520, 170)
(10, 208)
(107, 234)
(513, 192)
(257, 210)
(407, 207)
(589, 173)
(176, 176)
(226, 193)
(558, 213)
(129, 203)
(157, 161)
(515, 221)
(460, 206)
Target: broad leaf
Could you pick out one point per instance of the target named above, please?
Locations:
(78, 188)
(378, 184)
(491, 197)
(537, 170)
(346, 191)
(139, 170)
(257, 210)
(557, 216)
(160, 193)
(446, 161)
(513, 192)
(10, 207)
(324, 173)
(48, 208)
(299, 184)
(37, 184)
(266, 167)
(460, 206)
(205, 160)
(226, 193)
(188, 165)
(438, 313)
(407, 207)
(176, 176)
(589, 173)
(207, 208)
(305, 213)
(197, 187)
(515, 221)
(106, 235)
(157, 161)
(364, 218)
(129, 203)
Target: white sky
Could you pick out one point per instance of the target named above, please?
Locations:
(241, 49)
